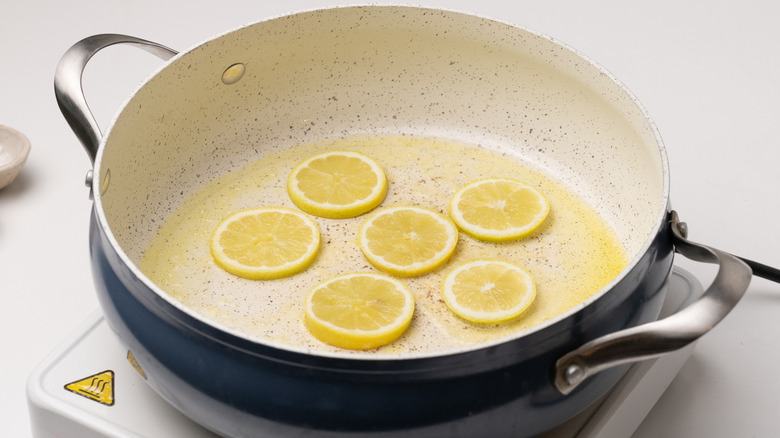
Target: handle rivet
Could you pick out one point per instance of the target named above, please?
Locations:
(104, 183)
(682, 228)
(574, 374)
(233, 74)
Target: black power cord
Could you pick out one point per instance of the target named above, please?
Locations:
(763, 271)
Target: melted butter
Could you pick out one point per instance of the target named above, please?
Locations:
(571, 256)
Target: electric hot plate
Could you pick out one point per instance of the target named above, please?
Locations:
(91, 387)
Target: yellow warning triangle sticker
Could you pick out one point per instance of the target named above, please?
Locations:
(97, 387)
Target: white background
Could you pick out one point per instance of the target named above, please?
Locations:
(708, 72)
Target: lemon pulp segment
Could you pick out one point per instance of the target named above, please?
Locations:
(359, 311)
(265, 243)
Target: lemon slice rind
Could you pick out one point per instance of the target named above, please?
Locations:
(380, 261)
(308, 229)
(356, 339)
(326, 209)
(493, 234)
(459, 306)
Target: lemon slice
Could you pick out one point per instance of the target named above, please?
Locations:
(407, 241)
(359, 311)
(488, 291)
(265, 243)
(498, 209)
(337, 184)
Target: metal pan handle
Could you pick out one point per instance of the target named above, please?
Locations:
(67, 83)
(668, 334)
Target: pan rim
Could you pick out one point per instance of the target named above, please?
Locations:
(658, 223)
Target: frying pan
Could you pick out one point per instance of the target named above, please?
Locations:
(378, 70)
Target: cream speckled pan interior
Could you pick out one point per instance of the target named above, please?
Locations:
(312, 76)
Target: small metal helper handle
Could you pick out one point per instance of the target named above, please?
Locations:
(68, 89)
(668, 334)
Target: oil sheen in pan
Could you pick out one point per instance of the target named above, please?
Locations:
(572, 256)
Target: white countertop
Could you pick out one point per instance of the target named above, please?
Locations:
(708, 72)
